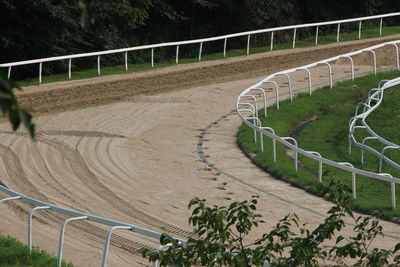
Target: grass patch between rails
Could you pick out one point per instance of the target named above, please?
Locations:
(328, 135)
(288, 35)
(15, 254)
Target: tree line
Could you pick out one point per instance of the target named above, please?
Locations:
(43, 28)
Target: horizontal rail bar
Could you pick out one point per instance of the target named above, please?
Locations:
(73, 213)
(306, 153)
(195, 41)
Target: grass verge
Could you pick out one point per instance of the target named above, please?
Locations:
(306, 42)
(328, 136)
(14, 253)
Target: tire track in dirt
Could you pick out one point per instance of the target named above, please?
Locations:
(17, 176)
(88, 178)
(113, 161)
(105, 162)
(43, 171)
(16, 173)
(100, 166)
(105, 90)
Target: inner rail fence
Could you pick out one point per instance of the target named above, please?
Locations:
(248, 111)
(374, 100)
(76, 216)
(125, 51)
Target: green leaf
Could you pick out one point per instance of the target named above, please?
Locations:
(14, 118)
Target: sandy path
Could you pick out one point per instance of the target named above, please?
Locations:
(145, 154)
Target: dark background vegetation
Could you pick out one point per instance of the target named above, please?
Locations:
(43, 28)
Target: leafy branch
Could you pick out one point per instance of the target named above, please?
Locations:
(9, 106)
(221, 238)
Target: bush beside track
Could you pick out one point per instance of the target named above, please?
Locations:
(327, 135)
(14, 253)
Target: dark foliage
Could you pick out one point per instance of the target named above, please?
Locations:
(44, 28)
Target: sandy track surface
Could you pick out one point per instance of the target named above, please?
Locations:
(111, 89)
(137, 147)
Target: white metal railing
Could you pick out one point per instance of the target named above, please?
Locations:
(75, 216)
(375, 97)
(250, 117)
(125, 51)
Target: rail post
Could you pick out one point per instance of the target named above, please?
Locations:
(61, 240)
(272, 41)
(363, 145)
(264, 99)
(273, 141)
(397, 54)
(353, 184)
(200, 49)
(69, 68)
(316, 36)
(40, 72)
(393, 193)
(9, 199)
(30, 216)
(294, 38)
(257, 122)
(152, 57)
(98, 65)
(359, 30)
(319, 165)
(255, 103)
(309, 79)
(330, 73)
(107, 242)
(392, 190)
(9, 72)
(338, 32)
(225, 41)
(177, 54)
(252, 108)
(380, 27)
(248, 44)
(374, 58)
(126, 60)
(296, 154)
(289, 84)
(353, 178)
(351, 65)
(276, 92)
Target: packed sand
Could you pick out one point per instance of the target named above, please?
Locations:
(137, 147)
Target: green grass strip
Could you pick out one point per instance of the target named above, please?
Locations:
(328, 135)
(15, 254)
(287, 36)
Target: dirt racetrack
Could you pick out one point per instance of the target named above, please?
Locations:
(137, 147)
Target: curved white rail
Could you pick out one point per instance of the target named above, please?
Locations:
(375, 97)
(242, 107)
(198, 41)
(75, 215)
(257, 127)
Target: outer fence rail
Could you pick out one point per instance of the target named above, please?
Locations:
(292, 145)
(124, 51)
(75, 216)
